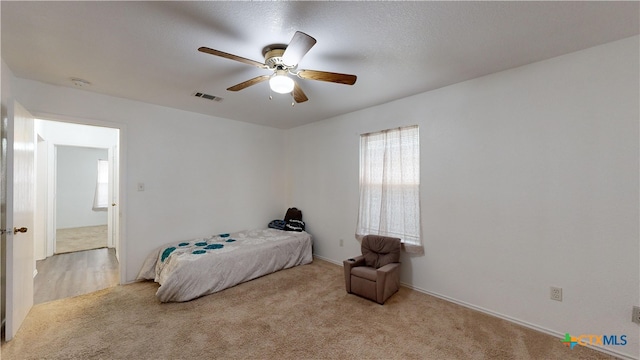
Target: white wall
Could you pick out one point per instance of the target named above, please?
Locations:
(202, 175)
(529, 179)
(67, 134)
(76, 178)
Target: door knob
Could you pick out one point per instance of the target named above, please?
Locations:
(114, 204)
(17, 230)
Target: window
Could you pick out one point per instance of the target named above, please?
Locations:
(390, 186)
(101, 198)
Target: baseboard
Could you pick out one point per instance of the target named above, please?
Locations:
(327, 260)
(516, 321)
(499, 315)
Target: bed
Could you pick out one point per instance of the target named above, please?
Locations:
(189, 269)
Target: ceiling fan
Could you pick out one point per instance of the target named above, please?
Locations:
(283, 61)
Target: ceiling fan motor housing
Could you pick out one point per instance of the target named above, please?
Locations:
(273, 59)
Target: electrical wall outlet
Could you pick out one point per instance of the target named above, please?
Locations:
(635, 314)
(555, 293)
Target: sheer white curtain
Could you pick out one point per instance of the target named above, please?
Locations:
(390, 186)
(101, 198)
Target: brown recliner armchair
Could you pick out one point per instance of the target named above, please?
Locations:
(375, 274)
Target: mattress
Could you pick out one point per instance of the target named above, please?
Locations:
(189, 269)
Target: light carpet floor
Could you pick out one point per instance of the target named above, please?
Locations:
(81, 238)
(299, 313)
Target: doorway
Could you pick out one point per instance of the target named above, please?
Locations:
(81, 198)
(77, 222)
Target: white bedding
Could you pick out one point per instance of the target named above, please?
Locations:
(190, 269)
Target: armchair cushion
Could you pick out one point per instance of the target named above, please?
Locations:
(365, 272)
(379, 251)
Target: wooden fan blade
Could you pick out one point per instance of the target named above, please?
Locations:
(298, 94)
(328, 76)
(299, 45)
(231, 57)
(246, 84)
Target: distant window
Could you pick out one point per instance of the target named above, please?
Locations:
(101, 198)
(390, 186)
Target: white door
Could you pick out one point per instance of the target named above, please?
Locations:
(19, 215)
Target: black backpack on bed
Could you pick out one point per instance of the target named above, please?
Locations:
(294, 225)
(292, 221)
(293, 214)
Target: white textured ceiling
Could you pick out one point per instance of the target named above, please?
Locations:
(147, 51)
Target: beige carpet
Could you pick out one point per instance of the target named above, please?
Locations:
(299, 313)
(81, 238)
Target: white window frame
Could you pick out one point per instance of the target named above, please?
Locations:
(101, 198)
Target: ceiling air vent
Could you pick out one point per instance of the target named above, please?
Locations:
(208, 97)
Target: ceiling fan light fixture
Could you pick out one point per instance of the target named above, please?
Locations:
(281, 83)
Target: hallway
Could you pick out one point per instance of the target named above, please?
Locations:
(71, 274)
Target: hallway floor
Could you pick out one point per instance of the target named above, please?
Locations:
(75, 273)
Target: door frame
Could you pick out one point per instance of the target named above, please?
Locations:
(119, 155)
